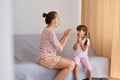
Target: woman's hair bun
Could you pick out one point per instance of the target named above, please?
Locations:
(44, 14)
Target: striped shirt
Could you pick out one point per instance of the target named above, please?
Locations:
(49, 43)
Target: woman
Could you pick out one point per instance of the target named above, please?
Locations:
(49, 45)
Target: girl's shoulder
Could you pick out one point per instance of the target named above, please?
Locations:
(88, 41)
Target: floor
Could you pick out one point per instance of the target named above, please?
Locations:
(96, 79)
(103, 79)
(114, 79)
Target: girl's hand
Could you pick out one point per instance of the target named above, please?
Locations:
(79, 38)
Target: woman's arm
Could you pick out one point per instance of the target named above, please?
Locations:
(54, 40)
(65, 37)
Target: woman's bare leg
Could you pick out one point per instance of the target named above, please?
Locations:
(76, 72)
(66, 66)
(89, 74)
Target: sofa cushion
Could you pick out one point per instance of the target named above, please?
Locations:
(26, 47)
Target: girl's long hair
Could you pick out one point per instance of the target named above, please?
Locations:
(84, 28)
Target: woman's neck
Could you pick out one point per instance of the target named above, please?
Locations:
(51, 26)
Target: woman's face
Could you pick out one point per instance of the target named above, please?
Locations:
(57, 20)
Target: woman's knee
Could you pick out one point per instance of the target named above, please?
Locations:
(72, 65)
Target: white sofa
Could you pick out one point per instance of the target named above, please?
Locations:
(26, 55)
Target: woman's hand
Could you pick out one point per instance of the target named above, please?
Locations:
(67, 32)
(65, 37)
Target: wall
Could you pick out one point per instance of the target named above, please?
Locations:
(6, 53)
(28, 15)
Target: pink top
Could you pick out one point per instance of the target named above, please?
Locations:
(49, 43)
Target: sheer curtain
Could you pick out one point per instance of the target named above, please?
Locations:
(115, 56)
(103, 20)
(6, 48)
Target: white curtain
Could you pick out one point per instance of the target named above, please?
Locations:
(6, 55)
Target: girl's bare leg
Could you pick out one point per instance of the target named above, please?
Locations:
(76, 72)
(89, 74)
(66, 66)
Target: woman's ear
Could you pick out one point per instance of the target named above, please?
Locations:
(54, 21)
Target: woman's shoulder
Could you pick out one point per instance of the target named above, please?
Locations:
(47, 30)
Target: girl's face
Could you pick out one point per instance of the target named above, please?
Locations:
(80, 33)
(57, 20)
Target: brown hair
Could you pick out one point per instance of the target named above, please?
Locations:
(49, 16)
(84, 28)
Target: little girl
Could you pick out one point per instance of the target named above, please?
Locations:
(81, 48)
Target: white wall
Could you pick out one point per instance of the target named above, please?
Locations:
(6, 53)
(28, 15)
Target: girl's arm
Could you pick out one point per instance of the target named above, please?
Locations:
(83, 47)
(75, 46)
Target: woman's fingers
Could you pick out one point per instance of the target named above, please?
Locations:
(67, 32)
